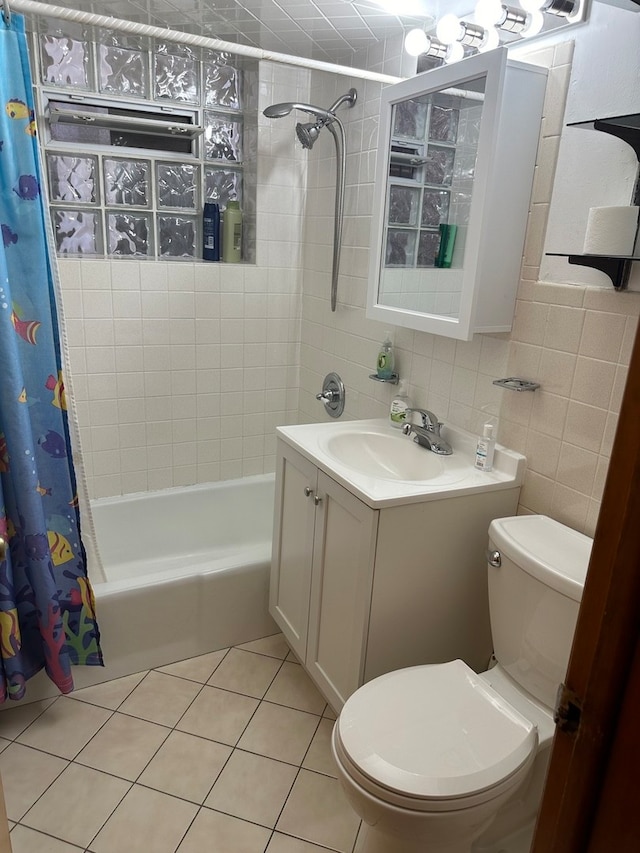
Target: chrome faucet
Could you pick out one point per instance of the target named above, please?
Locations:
(427, 434)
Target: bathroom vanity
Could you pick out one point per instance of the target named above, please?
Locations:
(373, 569)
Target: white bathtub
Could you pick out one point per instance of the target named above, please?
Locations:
(187, 573)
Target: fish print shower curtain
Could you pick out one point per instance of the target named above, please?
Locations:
(46, 603)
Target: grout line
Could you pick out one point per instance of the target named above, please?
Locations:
(170, 729)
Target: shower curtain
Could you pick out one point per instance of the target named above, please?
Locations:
(46, 603)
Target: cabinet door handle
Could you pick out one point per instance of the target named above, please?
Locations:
(317, 500)
(308, 491)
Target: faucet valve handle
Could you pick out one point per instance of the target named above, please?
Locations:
(328, 396)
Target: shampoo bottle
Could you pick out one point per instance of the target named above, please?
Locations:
(211, 232)
(385, 364)
(399, 406)
(485, 449)
(232, 233)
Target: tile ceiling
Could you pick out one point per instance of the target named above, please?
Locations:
(329, 30)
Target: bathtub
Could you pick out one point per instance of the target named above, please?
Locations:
(187, 572)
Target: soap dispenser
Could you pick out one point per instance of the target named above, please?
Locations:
(386, 360)
(399, 406)
(485, 449)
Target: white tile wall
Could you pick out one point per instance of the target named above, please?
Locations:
(574, 340)
(182, 371)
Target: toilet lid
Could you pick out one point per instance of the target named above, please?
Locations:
(434, 732)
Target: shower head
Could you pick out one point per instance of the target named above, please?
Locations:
(325, 116)
(282, 110)
(308, 133)
(278, 110)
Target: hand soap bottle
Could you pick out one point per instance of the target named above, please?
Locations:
(386, 360)
(399, 406)
(485, 449)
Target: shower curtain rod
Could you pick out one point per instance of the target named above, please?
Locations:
(108, 22)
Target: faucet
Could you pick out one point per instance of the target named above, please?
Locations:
(427, 434)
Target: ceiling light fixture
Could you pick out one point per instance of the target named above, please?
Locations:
(561, 8)
(450, 29)
(457, 38)
(417, 43)
(492, 13)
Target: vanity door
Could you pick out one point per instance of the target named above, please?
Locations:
(342, 575)
(292, 557)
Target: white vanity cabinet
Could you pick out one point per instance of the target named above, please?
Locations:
(324, 545)
(359, 590)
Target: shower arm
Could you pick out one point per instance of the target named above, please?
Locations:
(339, 205)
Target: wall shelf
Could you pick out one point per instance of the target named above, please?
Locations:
(626, 128)
(617, 267)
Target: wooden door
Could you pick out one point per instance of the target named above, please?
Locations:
(5, 841)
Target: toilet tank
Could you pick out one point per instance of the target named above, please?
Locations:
(534, 596)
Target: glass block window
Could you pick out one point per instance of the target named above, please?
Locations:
(113, 192)
(127, 181)
(73, 179)
(177, 185)
(223, 138)
(129, 233)
(222, 185)
(222, 82)
(65, 61)
(123, 71)
(77, 232)
(177, 236)
(176, 73)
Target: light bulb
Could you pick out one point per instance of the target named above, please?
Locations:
(416, 42)
(455, 53)
(449, 29)
(535, 22)
(488, 13)
(490, 40)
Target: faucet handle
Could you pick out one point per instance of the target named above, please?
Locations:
(429, 420)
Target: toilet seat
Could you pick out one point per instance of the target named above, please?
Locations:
(433, 738)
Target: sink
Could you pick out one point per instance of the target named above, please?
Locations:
(391, 457)
(384, 468)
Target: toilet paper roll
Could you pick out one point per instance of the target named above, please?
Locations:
(611, 230)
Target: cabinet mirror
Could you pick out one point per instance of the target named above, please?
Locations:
(454, 173)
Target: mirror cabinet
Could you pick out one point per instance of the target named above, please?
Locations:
(454, 173)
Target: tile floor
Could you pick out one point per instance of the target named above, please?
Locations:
(227, 753)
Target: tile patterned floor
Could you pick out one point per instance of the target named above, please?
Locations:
(223, 753)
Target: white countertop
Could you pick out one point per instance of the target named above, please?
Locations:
(457, 476)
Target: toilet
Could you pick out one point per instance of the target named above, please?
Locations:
(439, 759)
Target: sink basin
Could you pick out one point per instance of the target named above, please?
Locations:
(384, 468)
(392, 457)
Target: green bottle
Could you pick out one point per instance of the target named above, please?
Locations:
(232, 233)
(386, 360)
